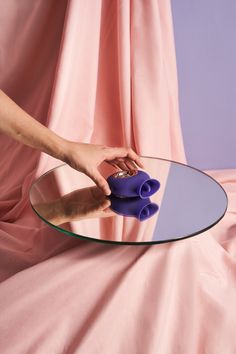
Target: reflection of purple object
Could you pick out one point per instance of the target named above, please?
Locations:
(137, 185)
(142, 209)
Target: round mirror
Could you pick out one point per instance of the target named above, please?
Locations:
(186, 203)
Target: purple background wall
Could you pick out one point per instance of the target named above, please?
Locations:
(205, 40)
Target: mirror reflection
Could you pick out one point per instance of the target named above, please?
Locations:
(186, 203)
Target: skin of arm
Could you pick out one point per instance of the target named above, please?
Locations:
(20, 126)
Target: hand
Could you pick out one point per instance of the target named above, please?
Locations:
(87, 157)
(80, 204)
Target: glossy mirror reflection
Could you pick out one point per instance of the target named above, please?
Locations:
(187, 203)
(141, 209)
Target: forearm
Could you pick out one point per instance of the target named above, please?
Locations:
(19, 125)
(83, 157)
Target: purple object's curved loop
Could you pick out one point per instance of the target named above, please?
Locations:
(138, 185)
(140, 208)
(148, 188)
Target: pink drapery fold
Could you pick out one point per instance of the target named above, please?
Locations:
(103, 72)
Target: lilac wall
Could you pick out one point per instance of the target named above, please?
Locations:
(205, 39)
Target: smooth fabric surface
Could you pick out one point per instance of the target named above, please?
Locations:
(103, 72)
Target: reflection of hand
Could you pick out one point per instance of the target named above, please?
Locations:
(81, 204)
(87, 157)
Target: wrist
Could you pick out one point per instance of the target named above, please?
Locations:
(60, 148)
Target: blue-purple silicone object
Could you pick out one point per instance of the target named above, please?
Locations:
(141, 209)
(138, 185)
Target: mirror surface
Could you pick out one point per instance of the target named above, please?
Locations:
(187, 203)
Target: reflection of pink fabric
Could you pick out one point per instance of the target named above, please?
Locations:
(114, 82)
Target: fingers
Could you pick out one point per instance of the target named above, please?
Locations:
(124, 164)
(100, 182)
(133, 156)
(130, 164)
(127, 154)
(105, 205)
(124, 158)
(121, 163)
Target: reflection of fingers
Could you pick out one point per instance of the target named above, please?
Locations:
(105, 204)
(96, 192)
(108, 212)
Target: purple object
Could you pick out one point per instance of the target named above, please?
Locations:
(141, 209)
(134, 183)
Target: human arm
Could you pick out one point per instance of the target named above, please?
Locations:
(19, 125)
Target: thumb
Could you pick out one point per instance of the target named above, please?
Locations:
(100, 181)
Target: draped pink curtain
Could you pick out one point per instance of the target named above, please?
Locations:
(103, 72)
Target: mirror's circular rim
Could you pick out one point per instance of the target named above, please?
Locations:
(87, 238)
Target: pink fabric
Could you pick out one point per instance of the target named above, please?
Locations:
(103, 72)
